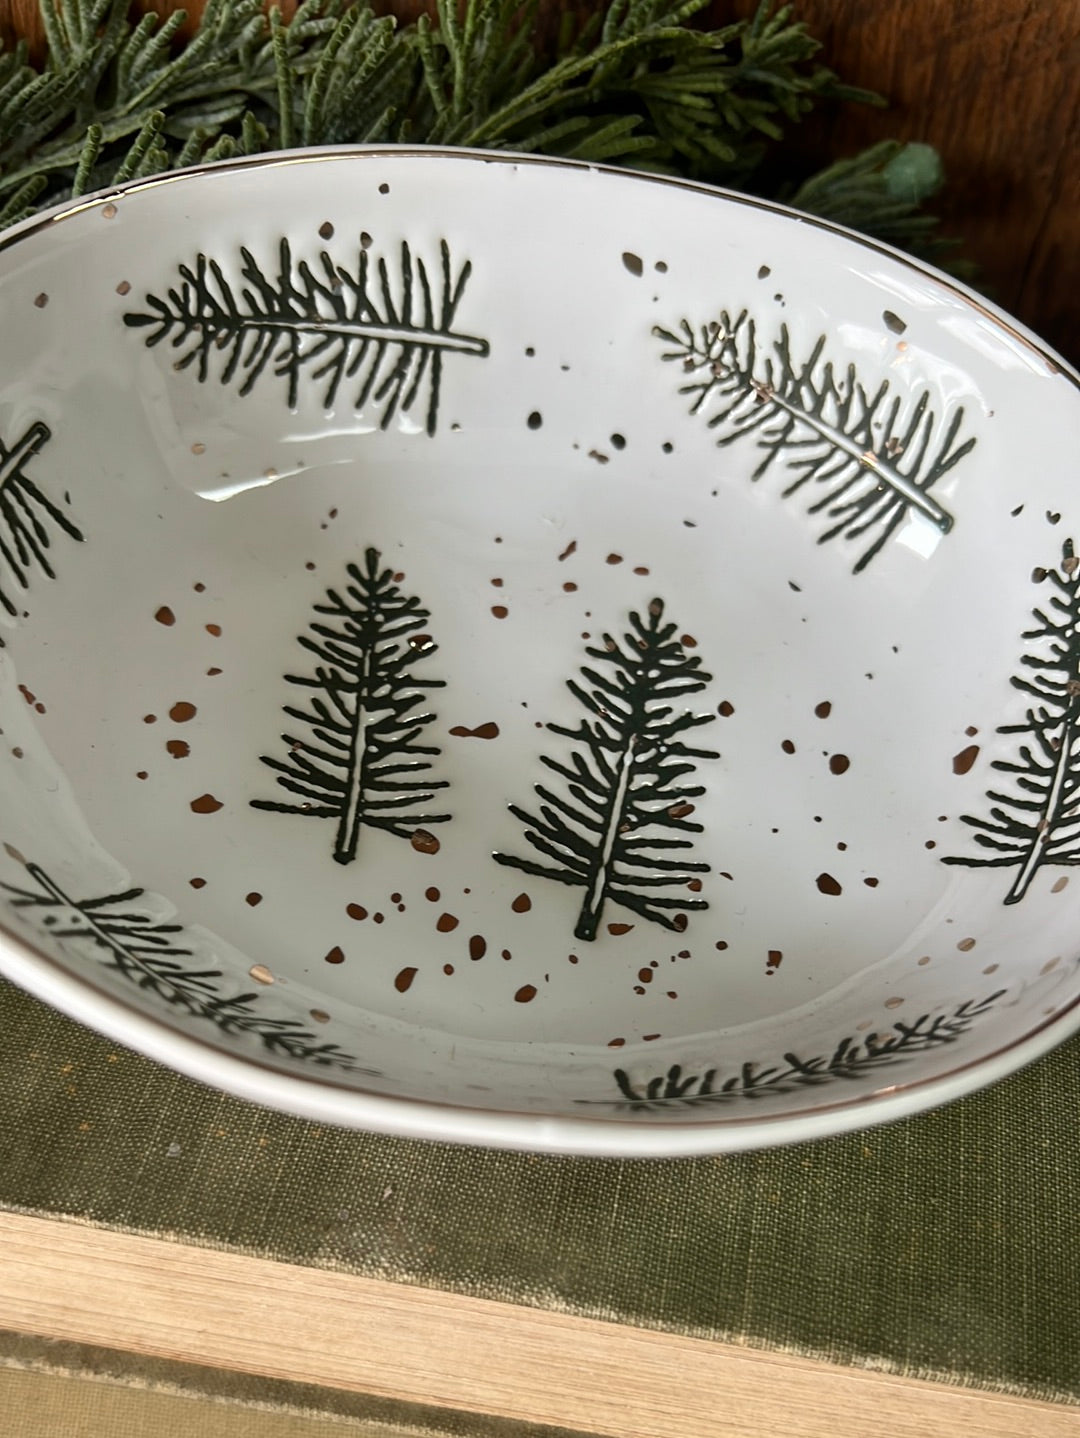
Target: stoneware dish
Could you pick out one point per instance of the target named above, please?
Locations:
(507, 651)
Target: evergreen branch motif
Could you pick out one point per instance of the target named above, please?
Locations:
(851, 1059)
(26, 512)
(115, 930)
(866, 456)
(1038, 821)
(614, 826)
(381, 338)
(362, 763)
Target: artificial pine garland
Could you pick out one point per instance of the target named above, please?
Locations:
(638, 85)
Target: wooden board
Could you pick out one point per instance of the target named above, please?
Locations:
(172, 1300)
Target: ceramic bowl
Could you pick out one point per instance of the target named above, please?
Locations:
(509, 651)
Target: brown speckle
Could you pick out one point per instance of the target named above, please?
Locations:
(261, 974)
(377, 918)
(991, 968)
(500, 611)
(963, 761)
(788, 746)
(384, 189)
(680, 811)
(966, 945)
(525, 994)
(448, 969)
(320, 1016)
(571, 958)
(828, 885)
(123, 288)
(695, 886)
(569, 587)
(178, 748)
(633, 263)
(206, 804)
(893, 322)
(165, 616)
(336, 955)
(182, 712)
(839, 764)
(725, 709)
(823, 710)
(598, 456)
(1059, 884)
(522, 904)
(497, 583)
(615, 1043)
(614, 559)
(490, 730)
(645, 976)
(197, 883)
(570, 549)
(108, 212)
(214, 629)
(198, 448)
(326, 230)
(924, 961)
(893, 1003)
(507, 954)
(17, 753)
(1050, 965)
(446, 923)
(403, 981)
(477, 946)
(424, 842)
(535, 420)
(618, 929)
(871, 882)
(254, 899)
(775, 959)
(142, 774)
(356, 911)
(212, 671)
(41, 301)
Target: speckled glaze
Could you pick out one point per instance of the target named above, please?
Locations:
(509, 651)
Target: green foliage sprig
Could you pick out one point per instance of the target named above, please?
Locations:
(638, 84)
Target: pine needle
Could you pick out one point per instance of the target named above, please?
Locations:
(639, 84)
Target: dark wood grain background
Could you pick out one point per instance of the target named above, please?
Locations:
(993, 84)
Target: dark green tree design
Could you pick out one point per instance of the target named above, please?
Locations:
(114, 930)
(851, 1059)
(868, 455)
(1039, 821)
(26, 514)
(615, 829)
(361, 761)
(384, 336)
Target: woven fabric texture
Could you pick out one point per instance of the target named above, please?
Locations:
(943, 1246)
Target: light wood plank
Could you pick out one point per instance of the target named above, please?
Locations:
(71, 1281)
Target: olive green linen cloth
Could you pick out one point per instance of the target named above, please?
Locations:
(945, 1246)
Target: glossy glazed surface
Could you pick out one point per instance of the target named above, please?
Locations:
(505, 650)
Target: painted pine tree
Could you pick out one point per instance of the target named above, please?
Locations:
(26, 514)
(362, 760)
(1038, 822)
(869, 455)
(851, 1058)
(617, 828)
(381, 333)
(119, 933)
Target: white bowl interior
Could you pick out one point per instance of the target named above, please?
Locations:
(522, 478)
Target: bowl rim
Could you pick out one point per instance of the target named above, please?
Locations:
(323, 1100)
